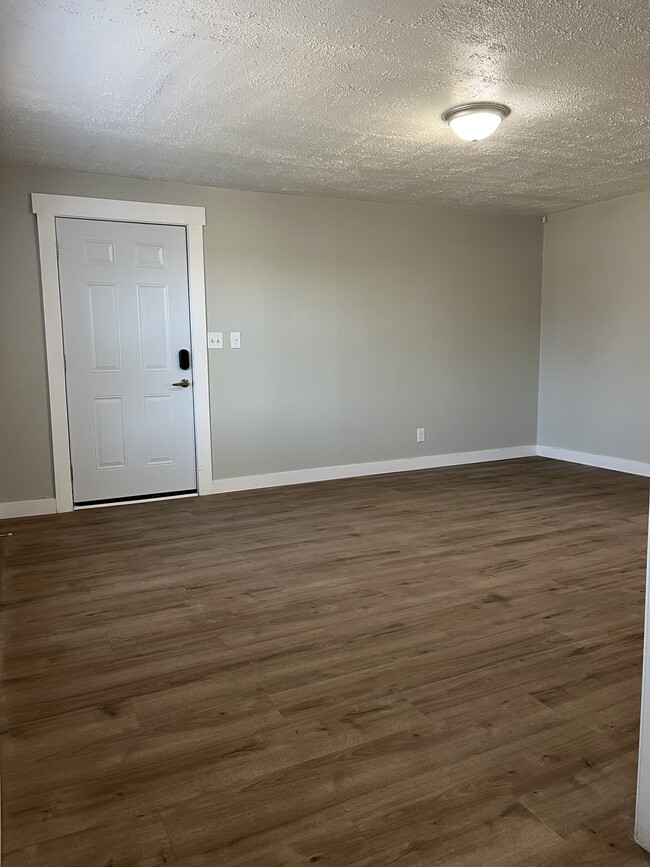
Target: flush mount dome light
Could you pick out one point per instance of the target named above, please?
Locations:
(475, 120)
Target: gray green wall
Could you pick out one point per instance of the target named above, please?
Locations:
(595, 360)
(359, 322)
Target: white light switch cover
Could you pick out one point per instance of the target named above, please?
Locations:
(215, 339)
(235, 339)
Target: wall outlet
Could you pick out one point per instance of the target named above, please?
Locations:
(420, 435)
(215, 339)
(235, 339)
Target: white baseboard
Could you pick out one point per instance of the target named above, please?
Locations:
(32, 508)
(27, 508)
(375, 468)
(605, 462)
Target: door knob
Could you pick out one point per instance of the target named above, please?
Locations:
(184, 383)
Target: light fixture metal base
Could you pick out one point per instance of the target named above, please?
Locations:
(472, 107)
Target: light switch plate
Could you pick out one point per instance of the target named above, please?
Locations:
(215, 339)
(235, 339)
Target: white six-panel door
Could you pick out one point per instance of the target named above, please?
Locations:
(125, 307)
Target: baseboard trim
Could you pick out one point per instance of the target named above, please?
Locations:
(374, 468)
(27, 509)
(604, 462)
(33, 508)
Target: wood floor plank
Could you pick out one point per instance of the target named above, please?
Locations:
(140, 842)
(328, 837)
(433, 668)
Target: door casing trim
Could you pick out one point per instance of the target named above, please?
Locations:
(47, 207)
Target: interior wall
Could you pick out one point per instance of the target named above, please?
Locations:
(360, 322)
(595, 359)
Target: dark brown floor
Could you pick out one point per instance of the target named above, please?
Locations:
(436, 668)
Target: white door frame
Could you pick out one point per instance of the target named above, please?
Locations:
(47, 208)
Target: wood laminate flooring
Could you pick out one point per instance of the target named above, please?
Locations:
(434, 668)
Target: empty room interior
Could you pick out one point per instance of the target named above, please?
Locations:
(323, 529)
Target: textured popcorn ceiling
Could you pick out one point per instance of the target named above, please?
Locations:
(333, 97)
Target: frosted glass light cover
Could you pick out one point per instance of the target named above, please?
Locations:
(476, 125)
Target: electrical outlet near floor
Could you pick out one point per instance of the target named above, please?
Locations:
(420, 435)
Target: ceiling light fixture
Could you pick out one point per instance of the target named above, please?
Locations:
(475, 120)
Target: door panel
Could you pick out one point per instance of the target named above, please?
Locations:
(159, 434)
(125, 306)
(153, 321)
(110, 436)
(104, 327)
